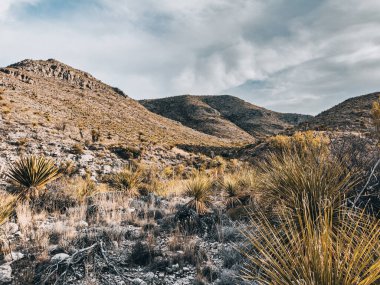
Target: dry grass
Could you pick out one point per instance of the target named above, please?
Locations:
(317, 253)
(128, 180)
(292, 176)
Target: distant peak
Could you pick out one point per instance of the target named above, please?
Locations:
(28, 70)
(33, 63)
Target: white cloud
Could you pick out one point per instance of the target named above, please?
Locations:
(7, 5)
(306, 55)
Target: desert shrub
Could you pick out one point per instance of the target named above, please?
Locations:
(141, 254)
(187, 220)
(95, 135)
(210, 272)
(234, 194)
(77, 149)
(319, 252)
(85, 188)
(301, 141)
(199, 189)
(8, 203)
(128, 180)
(68, 167)
(194, 253)
(231, 257)
(126, 152)
(290, 177)
(228, 277)
(31, 174)
(375, 112)
(57, 201)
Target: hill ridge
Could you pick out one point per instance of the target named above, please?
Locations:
(231, 113)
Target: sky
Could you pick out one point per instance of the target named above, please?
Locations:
(300, 56)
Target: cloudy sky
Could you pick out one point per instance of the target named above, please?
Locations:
(292, 56)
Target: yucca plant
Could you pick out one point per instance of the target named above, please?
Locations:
(292, 175)
(31, 174)
(317, 253)
(199, 189)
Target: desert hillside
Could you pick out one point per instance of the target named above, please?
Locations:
(352, 115)
(224, 116)
(50, 101)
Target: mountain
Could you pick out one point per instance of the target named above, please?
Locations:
(352, 115)
(224, 116)
(49, 101)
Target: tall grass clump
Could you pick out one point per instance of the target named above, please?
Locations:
(232, 190)
(199, 189)
(31, 174)
(293, 177)
(320, 252)
(128, 180)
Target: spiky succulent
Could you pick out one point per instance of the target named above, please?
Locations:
(199, 189)
(32, 173)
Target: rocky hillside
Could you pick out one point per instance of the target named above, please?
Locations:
(353, 115)
(223, 116)
(46, 99)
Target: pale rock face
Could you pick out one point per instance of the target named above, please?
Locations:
(59, 257)
(11, 228)
(5, 274)
(82, 224)
(13, 256)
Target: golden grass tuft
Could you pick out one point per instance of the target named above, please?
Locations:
(287, 178)
(325, 252)
(199, 189)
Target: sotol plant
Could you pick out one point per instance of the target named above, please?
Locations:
(31, 174)
(317, 253)
(292, 176)
(199, 189)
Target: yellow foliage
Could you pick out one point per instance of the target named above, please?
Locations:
(301, 141)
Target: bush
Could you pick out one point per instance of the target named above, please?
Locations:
(293, 177)
(126, 152)
(77, 149)
(317, 252)
(199, 189)
(234, 193)
(127, 180)
(301, 142)
(31, 174)
(141, 254)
